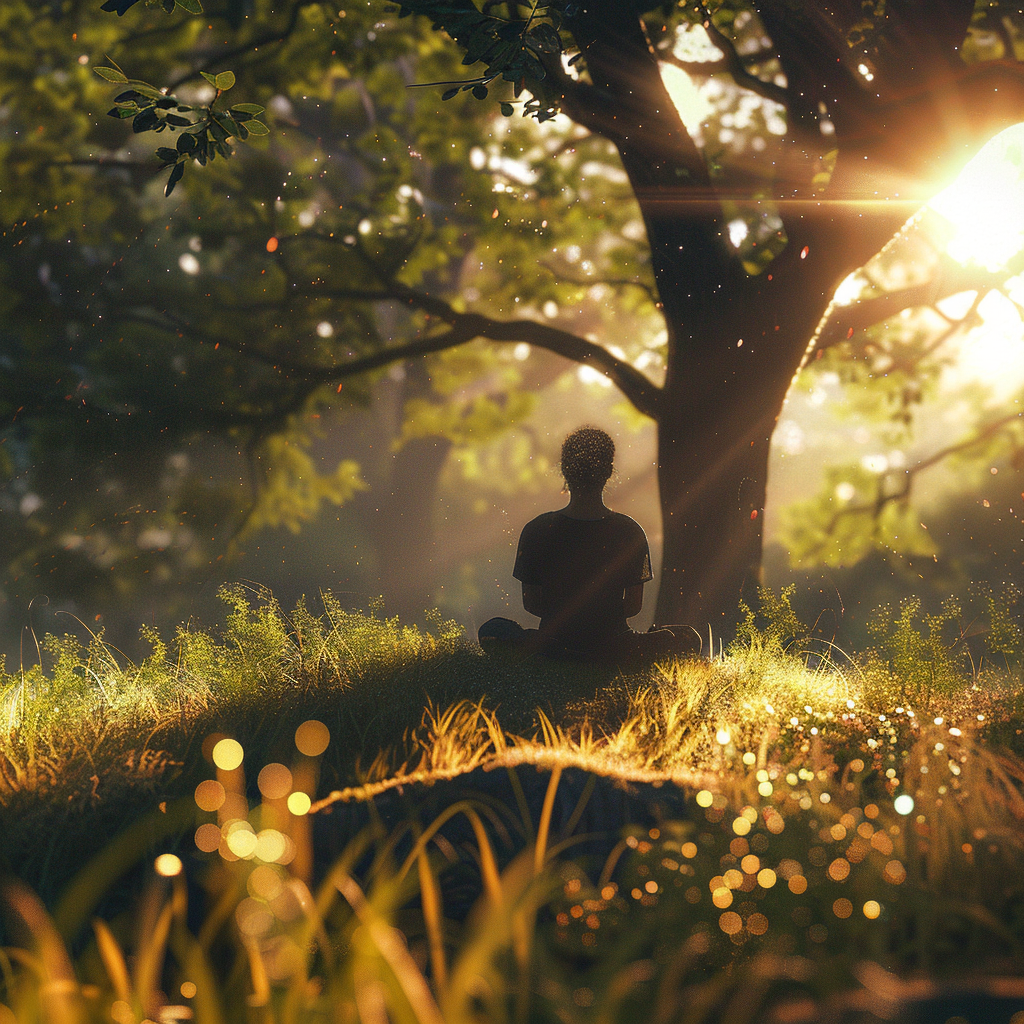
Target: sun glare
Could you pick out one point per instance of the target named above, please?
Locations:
(983, 205)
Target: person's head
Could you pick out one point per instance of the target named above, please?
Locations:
(587, 455)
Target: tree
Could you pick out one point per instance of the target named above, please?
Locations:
(168, 363)
(746, 245)
(876, 97)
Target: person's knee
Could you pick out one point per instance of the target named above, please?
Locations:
(500, 628)
(501, 634)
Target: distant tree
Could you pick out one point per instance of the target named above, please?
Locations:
(747, 242)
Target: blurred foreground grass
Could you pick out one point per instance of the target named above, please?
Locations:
(835, 826)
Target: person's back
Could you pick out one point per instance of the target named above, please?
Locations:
(583, 570)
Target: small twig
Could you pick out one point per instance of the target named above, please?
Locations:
(612, 282)
(736, 67)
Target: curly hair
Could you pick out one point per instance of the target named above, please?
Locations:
(587, 456)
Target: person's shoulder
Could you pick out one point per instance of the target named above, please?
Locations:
(627, 523)
(545, 517)
(542, 522)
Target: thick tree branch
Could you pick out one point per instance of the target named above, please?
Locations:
(464, 327)
(641, 392)
(842, 321)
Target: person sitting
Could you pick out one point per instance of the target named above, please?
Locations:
(583, 570)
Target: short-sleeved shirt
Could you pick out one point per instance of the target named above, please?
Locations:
(583, 566)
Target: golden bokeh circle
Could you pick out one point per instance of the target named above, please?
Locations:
(312, 737)
(228, 754)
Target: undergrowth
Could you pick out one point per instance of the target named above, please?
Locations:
(839, 823)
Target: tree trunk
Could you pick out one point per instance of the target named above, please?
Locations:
(735, 340)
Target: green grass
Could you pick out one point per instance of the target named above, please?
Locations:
(779, 863)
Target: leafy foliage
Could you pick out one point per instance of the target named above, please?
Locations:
(153, 110)
(513, 49)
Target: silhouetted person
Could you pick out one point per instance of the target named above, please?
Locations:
(583, 570)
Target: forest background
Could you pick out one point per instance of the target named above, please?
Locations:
(176, 399)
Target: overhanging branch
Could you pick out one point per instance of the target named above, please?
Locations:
(641, 392)
(842, 321)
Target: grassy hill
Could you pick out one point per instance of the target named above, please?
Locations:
(333, 815)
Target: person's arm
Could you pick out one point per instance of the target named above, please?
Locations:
(533, 598)
(632, 599)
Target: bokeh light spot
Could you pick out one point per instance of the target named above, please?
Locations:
(168, 865)
(208, 837)
(228, 754)
(730, 922)
(270, 845)
(903, 804)
(757, 924)
(894, 872)
(842, 908)
(241, 842)
(872, 909)
(299, 804)
(264, 883)
(210, 795)
(312, 737)
(839, 869)
(254, 918)
(275, 781)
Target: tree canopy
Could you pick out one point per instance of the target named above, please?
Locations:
(393, 211)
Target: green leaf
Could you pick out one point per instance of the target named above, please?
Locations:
(507, 109)
(175, 176)
(480, 92)
(546, 38)
(192, 6)
(169, 156)
(146, 89)
(212, 79)
(247, 108)
(145, 121)
(227, 123)
(256, 128)
(111, 75)
(225, 80)
(449, 93)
